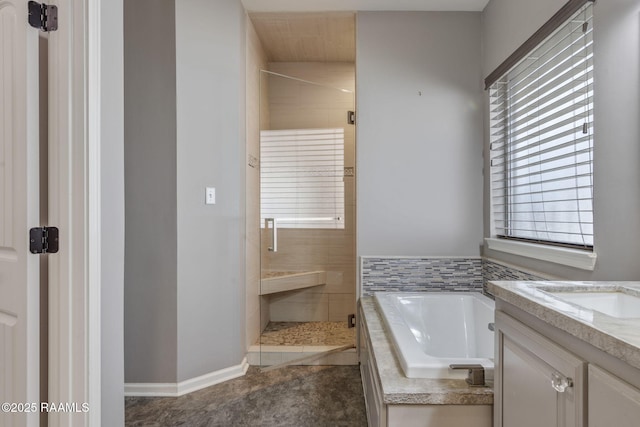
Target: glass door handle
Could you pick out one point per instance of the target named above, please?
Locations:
(274, 233)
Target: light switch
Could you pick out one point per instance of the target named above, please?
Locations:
(210, 198)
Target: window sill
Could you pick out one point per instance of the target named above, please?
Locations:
(564, 256)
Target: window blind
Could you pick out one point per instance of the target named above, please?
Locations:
(541, 128)
(302, 177)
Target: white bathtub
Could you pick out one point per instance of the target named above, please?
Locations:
(432, 330)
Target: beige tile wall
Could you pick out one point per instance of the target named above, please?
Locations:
(295, 105)
(256, 60)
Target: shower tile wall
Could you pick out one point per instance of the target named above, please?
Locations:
(256, 112)
(428, 274)
(332, 251)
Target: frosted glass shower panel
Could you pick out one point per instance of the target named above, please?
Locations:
(301, 177)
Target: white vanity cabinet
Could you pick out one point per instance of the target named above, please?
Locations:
(612, 401)
(542, 342)
(537, 382)
(376, 409)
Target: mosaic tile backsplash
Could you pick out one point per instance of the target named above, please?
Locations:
(492, 270)
(420, 274)
(382, 274)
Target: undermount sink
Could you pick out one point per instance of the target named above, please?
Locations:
(614, 304)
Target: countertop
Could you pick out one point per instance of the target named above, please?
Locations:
(615, 336)
(398, 389)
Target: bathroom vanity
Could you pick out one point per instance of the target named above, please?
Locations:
(567, 354)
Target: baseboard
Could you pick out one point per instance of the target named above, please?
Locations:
(186, 386)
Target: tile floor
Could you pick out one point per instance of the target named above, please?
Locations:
(284, 342)
(308, 333)
(300, 396)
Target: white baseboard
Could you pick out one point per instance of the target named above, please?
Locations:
(186, 386)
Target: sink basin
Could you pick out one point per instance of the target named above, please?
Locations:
(614, 304)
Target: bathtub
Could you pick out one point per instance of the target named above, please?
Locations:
(432, 330)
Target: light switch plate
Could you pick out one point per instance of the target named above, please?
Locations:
(210, 198)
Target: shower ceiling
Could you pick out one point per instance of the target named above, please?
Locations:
(335, 5)
(306, 37)
(324, 30)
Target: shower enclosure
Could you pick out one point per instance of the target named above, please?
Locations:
(307, 212)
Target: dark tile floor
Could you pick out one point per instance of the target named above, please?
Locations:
(293, 396)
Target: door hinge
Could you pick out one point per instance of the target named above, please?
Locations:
(351, 321)
(351, 117)
(43, 16)
(43, 240)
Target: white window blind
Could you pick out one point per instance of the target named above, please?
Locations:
(301, 177)
(541, 114)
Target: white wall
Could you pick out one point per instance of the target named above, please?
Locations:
(419, 157)
(112, 214)
(616, 124)
(210, 87)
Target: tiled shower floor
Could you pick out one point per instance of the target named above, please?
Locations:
(308, 334)
(285, 342)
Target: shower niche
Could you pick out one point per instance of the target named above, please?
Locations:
(307, 213)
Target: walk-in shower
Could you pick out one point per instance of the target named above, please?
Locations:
(307, 210)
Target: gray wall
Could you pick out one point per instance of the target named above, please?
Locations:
(617, 127)
(506, 24)
(150, 194)
(419, 158)
(112, 215)
(210, 86)
(184, 131)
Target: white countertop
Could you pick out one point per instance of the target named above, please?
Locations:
(618, 337)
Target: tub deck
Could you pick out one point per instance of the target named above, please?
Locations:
(397, 388)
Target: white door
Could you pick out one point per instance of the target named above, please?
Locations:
(19, 270)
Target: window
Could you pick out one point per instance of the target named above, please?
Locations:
(301, 177)
(541, 117)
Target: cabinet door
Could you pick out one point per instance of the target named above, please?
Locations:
(376, 410)
(612, 402)
(537, 382)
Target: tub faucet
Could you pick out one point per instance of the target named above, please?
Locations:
(475, 377)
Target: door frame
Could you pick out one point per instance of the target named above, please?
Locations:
(74, 207)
